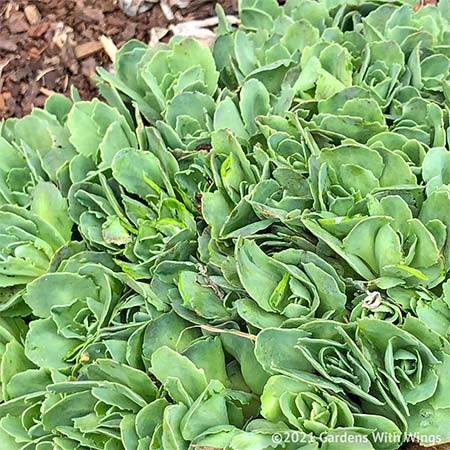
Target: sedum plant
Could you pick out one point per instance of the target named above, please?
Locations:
(242, 247)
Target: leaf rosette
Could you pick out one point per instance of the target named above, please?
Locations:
(34, 148)
(71, 306)
(153, 76)
(288, 286)
(320, 414)
(410, 362)
(325, 353)
(30, 239)
(209, 393)
(109, 406)
(395, 372)
(344, 176)
(389, 247)
(135, 214)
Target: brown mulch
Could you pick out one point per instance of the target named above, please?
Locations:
(48, 45)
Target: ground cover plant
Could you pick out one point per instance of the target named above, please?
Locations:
(245, 247)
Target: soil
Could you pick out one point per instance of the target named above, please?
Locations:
(48, 45)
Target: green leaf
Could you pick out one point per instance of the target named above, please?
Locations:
(49, 204)
(227, 117)
(254, 102)
(57, 289)
(43, 334)
(208, 410)
(168, 364)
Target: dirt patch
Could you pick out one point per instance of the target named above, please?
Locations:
(48, 45)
